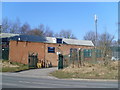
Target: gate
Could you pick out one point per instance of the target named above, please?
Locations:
(5, 53)
(60, 61)
(73, 56)
(32, 60)
(66, 59)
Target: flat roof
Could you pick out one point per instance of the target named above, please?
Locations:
(7, 35)
(71, 41)
(34, 38)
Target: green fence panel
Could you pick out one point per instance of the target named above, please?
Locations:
(60, 62)
(66, 59)
(5, 53)
(98, 53)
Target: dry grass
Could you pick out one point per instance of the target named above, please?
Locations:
(90, 71)
(7, 64)
(12, 67)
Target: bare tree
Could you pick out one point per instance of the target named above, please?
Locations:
(25, 28)
(15, 26)
(5, 25)
(90, 36)
(114, 43)
(10, 27)
(39, 31)
(65, 34)
(48, 32)
(35, 31)
(56, 35)
(41, 27)
(105, 43)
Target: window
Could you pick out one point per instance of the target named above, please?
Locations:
(87, 53)
(59, 40)
(51, 49)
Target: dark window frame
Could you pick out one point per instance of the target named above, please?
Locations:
(51, 49)
(59, 40)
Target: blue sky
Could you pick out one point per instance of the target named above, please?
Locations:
(75, 16)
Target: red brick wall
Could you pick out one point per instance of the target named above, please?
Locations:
(19, 52)
(65, 49)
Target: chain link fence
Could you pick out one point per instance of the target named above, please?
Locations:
(78, 57)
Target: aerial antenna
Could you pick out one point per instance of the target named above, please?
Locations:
(96, 19)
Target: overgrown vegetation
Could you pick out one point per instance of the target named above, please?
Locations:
(12, 67)
(104, 42)
(90, 71)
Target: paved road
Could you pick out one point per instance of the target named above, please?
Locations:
(36, 73)
(33, 79)
(27, 82)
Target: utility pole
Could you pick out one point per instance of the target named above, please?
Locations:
(0, 28)
(95, 18)
(95, 58)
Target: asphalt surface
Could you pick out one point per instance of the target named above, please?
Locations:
(36, 73)
(39, 78)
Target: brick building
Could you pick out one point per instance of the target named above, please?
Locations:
(4, 44)
(47, 48)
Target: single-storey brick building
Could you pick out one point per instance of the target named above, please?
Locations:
(4, 39)
(47, 48)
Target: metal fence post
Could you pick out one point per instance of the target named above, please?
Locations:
(94, 58)
(82, 56)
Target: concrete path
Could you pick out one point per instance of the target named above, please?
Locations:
(42, 73)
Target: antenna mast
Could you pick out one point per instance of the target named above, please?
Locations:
(95, 18)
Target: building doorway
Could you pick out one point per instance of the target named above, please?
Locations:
(32, 60)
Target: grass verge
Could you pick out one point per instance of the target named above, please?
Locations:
(13, 67)
(89, 71)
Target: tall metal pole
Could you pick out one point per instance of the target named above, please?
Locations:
(95, 17)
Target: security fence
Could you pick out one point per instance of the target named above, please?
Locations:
(115, 52)
(78, 57)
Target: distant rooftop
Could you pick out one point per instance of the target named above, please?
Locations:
(7, 35)
(29, 38)
(71, 41)
(33, 38)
